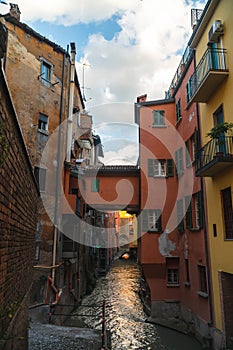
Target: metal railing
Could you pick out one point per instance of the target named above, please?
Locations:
(213, 59)
(222, 146)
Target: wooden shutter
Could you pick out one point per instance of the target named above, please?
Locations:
(150, 167)
(95, 184)
(145, 220)
(170, 168)
(188, 208)
(200, 209)
(159, 220)
(180, 214)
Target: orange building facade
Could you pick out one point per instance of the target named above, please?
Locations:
(173, 246)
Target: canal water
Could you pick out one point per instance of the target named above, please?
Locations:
(125, 317)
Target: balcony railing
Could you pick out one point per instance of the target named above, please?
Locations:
(215, 156)
(210, 72)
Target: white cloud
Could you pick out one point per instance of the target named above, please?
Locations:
(142, 58)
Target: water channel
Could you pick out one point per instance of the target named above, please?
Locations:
(125, 317)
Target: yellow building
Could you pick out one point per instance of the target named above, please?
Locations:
(212, 87)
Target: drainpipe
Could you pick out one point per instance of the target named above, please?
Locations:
(58, 173)
(205, 215)
(71, 103)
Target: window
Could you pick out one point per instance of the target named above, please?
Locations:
(45, 72)
(179, 161)
(178, 111)
(42, 122)
(180, 215)
(191, 148)
(95, 184)
(160, 167)
(194, 211)
(172, 266)
(172, 276)
(202, 280)
(187, 275)
(152, 220)
(40, 175)
(188, 208)
(189, 90)
(158, 118)
(198, 211)
(78, 205)
(227, 212)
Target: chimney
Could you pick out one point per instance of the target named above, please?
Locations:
(14, 11)
(141, 98)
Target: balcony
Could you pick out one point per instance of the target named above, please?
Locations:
(208, 75)
(214, 157)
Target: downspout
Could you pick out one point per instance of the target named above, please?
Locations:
(71, 104)
(205, 215)
(58, 173)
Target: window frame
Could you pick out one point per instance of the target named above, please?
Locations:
(43, 120)
(203, 287)
(158, 118)
(174, 274)
(178, 110)
(46, 71)
(168, 166)
(157, 220)
(227, 213)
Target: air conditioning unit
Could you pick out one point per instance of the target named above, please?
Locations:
(216, 31)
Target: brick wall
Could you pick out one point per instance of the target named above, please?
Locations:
(18, 206)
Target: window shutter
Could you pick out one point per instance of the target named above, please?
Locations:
(151, 167)
(95, 184)
(180, 219)
(159, 221)
(188, 208)
(177, 162)
(200, 209)
(187, 153)
(170, 168)
(145, 220)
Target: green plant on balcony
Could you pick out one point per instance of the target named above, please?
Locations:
(218, 133)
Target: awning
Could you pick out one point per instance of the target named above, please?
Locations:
(84, 144)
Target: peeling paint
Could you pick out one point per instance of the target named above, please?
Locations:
(166, 246)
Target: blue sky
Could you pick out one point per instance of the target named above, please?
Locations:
(129, 48)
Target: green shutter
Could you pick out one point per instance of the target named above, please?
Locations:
(170, 168)
(180, 219)
(159, 221)
(177, 164)
(95, 184)
(151, 167)
(187, 153)
(200, 208)
(145, 220)
(188, 208)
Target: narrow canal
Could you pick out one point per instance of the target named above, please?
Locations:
(125, 317)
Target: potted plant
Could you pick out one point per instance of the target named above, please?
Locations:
(218, 133)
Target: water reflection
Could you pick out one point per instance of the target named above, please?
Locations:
(125, 317)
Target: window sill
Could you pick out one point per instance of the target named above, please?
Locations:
(44, 132)
(173, 285)
(203, 294)
(187, 284)
(159, 126)
(160, 176)
(194, 229)
(153, 231)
